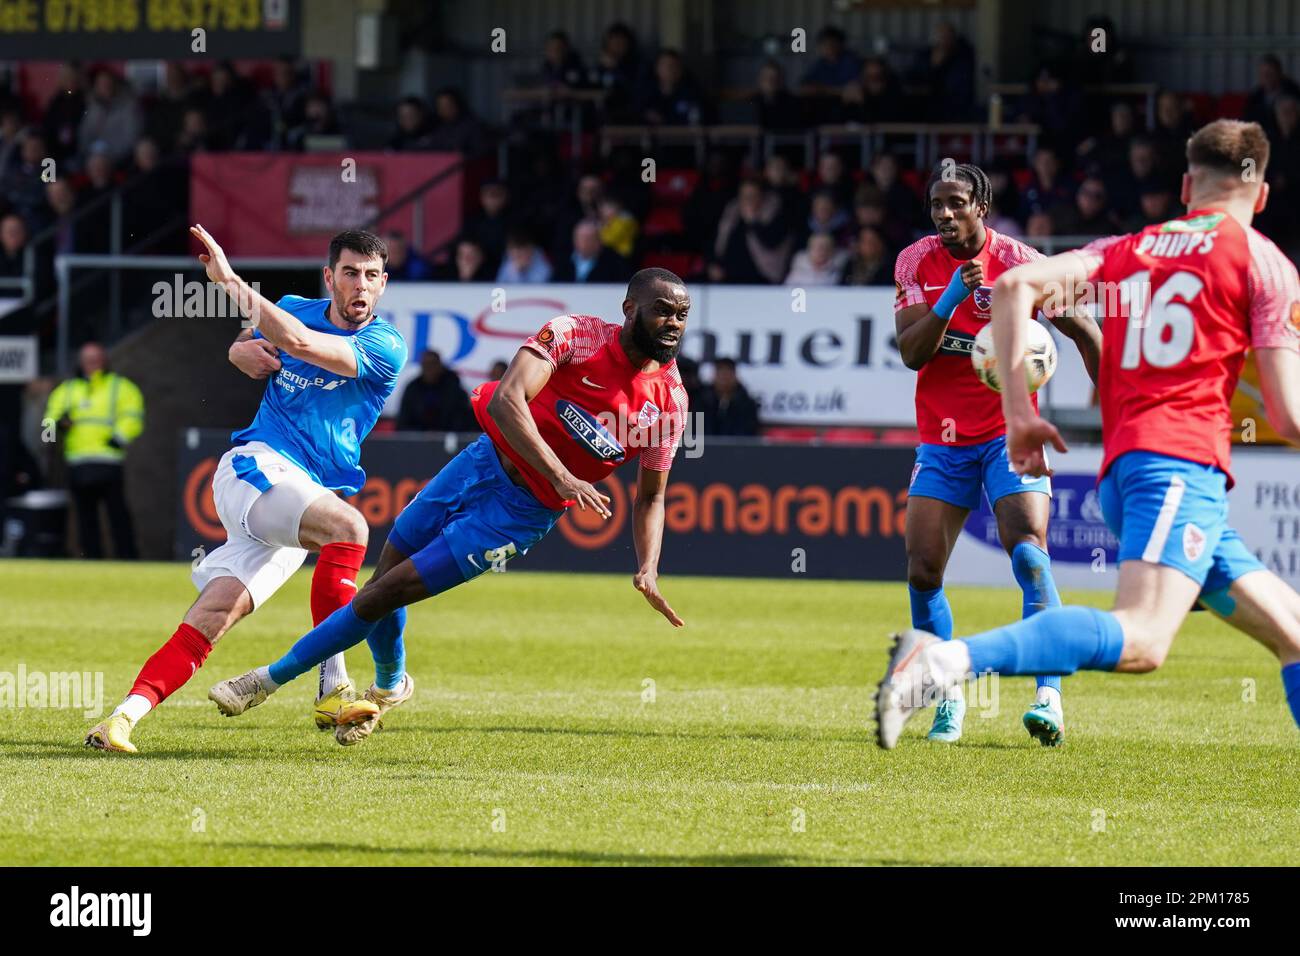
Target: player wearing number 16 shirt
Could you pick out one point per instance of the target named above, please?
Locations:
(1182, 302)
(581, 397)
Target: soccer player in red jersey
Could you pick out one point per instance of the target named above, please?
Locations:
(1184, 300)
(944, 285)
(581, 397)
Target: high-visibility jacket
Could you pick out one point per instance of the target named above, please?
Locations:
(107, 414)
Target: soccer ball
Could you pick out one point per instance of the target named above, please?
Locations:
(1040, 356)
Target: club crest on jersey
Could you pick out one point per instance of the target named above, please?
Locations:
(1193, 542)
(984, 298)
(648, 415)
(587, 431)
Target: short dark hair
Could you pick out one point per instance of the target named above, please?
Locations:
(642, 281)
(1223, 146)
(361, 241)
(724, 363)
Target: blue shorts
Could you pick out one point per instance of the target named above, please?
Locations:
(957, 473)
(1174, 512)
(484, 517)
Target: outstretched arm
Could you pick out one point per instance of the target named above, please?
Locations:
(527, 375)
(1017, 293)
(1279, 380)
(648, 536)
(331, 352)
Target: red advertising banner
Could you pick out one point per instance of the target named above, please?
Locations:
(273, 204)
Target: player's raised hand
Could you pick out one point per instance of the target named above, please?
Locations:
(647, 582)
(1026, 439)
(214, 260)
(972, 274)
(584, 493)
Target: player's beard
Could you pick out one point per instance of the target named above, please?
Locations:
(647, 344)
(341, 307)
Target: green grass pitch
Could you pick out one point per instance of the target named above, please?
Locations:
(536, 737)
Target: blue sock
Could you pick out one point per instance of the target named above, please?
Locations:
(1033, 570)
(930, 611)
(336, 633)
(1060, 640)
(1291, 681)
(389, 650)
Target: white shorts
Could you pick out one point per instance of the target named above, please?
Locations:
(266, 554)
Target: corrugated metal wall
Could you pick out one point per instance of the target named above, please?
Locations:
(1195, 45)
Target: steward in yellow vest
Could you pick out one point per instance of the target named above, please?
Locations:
(99, 413)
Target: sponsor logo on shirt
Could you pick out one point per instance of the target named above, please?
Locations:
(957, 343)
(1195, 224)
(587, 430)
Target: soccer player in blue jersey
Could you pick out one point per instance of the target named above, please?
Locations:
(332, 364)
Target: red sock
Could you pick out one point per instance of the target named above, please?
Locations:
(172, 665)
(335, 579)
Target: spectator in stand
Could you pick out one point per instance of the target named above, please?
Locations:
(160, 195)
(1107, 155)
(1049, 188)
(836, 64)
(1055, 104)
(618, 72)
(63, 112)
(112, 117)
(165, 117)
(1283, 225)
(226, 103)
(524, 261)
(13, 243)
(498, 370)
(193, 136)
(1143, 172)
(775, 107)
(591, 261)
(22, 185)
(1261, 105)
(947, 71)
(455, 129)
(582, 203)
(871, 262)
(782, 181)
(901, 203)
(404, 265)
(285, 103)
(753, 245)
(1156, 204)
(999, 221)
(1173, 128)
(1089, 216)
(832, 175)
(562, 67)
(673, 98)
(716, 188)
(468, 264)
(1038, 226)
(318, 121)
(726, 406)
(491, 226)
(869, 210)
(61, 201)
(618, 228)
(413, 125)
(875, 97)
(827, 218)
(435, 401)
(94, 230)
(819, 263)
(689, 371)
(11, 137)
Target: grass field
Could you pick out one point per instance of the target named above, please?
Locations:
(530, 739)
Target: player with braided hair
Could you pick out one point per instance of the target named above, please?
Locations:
(944, 287)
